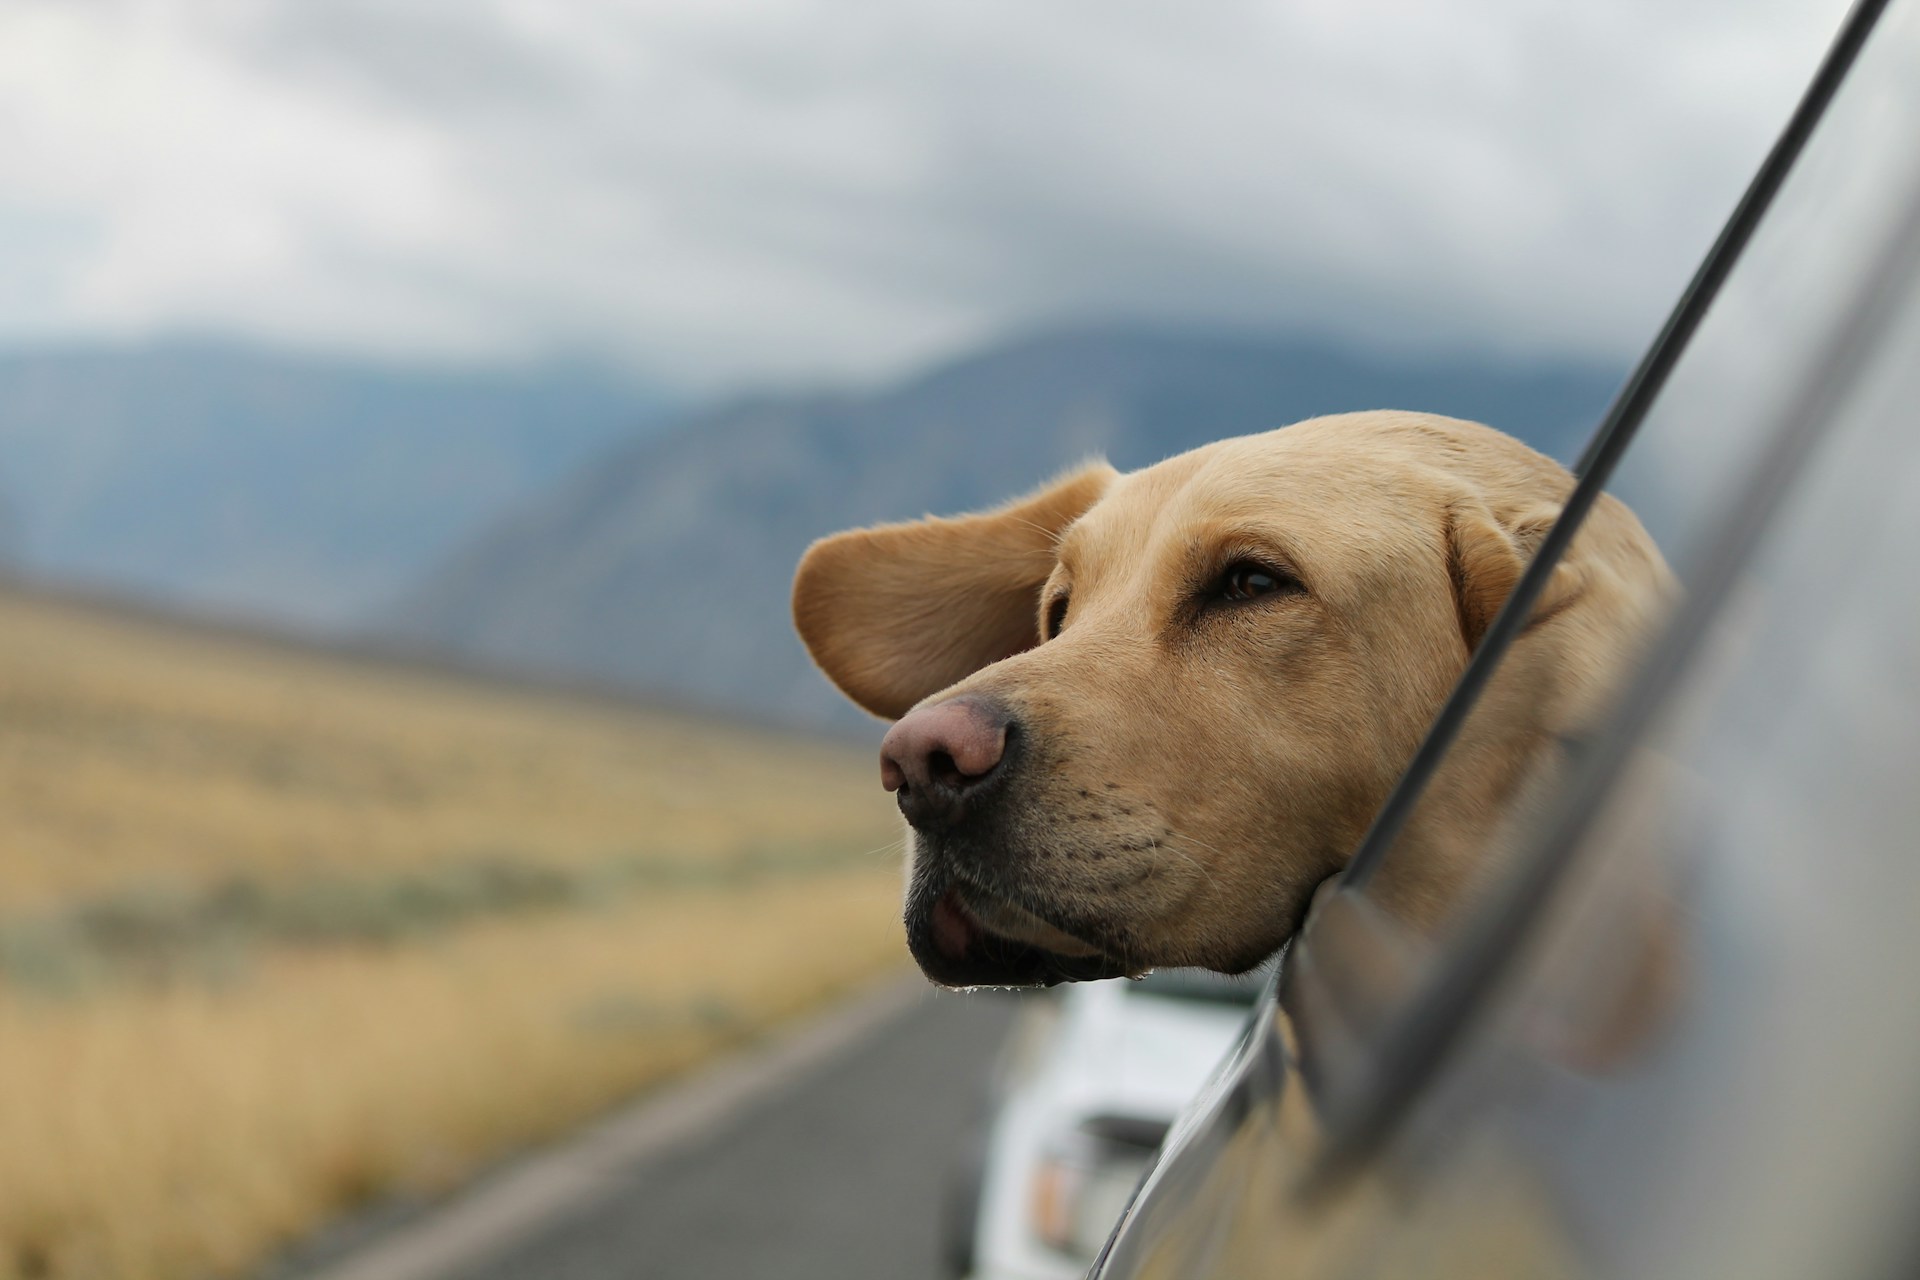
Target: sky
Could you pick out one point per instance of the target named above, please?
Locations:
(720, 192)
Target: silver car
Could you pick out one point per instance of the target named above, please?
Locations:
(1743, 838)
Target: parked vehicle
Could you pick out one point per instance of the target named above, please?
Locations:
(1090, 1079)
(1676, 1034)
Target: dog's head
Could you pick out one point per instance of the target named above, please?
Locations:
(1140, 717)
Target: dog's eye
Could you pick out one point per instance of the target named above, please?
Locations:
(1056, 617)
(1246, 580)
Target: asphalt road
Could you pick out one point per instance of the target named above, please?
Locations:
(838, 1174)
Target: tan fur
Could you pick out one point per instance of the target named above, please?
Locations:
(949, 596)
(1195, 770)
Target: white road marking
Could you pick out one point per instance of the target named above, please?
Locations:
(577, 1173)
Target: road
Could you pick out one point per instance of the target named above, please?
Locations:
(833, 1165)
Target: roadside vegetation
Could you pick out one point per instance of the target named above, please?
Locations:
(282, 933)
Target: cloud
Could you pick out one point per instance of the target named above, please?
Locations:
(718, 189)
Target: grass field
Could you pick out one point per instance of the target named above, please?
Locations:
(282, 932)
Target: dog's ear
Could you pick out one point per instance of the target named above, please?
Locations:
(1485, 558)
(899, 611)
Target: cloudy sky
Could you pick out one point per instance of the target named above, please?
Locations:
(726, 190)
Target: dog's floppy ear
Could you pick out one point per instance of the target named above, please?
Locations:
(899, 611)
(1485, 558)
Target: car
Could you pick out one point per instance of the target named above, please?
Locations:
(1091, 1077)
(1674, 1033)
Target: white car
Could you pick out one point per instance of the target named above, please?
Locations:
(1091, 1077)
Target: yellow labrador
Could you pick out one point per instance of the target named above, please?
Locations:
(1140, 717)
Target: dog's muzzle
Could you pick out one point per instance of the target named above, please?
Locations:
(950, 766)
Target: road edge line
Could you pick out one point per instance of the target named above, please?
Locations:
(573, 1174)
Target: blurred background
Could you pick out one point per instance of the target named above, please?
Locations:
(410, 416)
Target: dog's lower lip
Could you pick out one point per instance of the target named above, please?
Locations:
(997, 917)
(958, 944)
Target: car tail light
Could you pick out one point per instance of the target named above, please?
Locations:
(1086, 1177)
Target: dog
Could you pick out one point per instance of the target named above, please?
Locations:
(1140, 717)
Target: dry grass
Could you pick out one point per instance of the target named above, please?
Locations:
(165, 1133)
(133, 753)
(182, 1121)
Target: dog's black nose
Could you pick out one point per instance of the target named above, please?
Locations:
(939, 759)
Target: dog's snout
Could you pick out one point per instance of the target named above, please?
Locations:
(937, 758)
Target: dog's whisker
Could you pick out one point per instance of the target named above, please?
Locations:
(897, 845)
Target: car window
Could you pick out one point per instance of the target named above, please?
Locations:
(1692, 459)
(1809, 297)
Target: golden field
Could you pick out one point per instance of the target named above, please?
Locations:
(281, 932)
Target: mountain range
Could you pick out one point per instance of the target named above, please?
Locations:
(294, 490)
(663, 565)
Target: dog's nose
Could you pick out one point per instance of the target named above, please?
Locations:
(938, 758)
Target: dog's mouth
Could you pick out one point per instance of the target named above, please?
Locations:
(965, 937)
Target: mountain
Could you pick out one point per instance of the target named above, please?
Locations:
(269, 486)
(665, 566)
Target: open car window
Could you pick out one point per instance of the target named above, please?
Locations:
(1805, 302)
(1828, 202)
